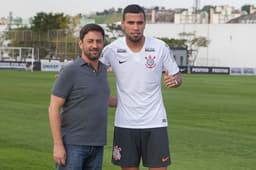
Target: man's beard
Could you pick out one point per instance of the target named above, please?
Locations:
(135, 39)
(92, 57)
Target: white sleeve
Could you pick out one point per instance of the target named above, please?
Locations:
(169, 62)
(105, 56)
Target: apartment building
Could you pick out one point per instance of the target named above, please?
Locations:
(216, 15)
(189, 16)
(159, 15)
(222, 14)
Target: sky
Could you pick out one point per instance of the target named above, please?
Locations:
(29, 8)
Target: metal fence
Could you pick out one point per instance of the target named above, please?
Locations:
(54, 44)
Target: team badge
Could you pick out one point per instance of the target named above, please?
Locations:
(150, 61)
(117, 153)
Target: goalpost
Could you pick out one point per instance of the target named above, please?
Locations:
(18, 55)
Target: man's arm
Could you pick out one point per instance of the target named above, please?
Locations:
(172, 80)
(59, 153)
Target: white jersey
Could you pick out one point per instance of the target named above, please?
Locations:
(138, 82)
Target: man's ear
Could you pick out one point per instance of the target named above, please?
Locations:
(122, 25)
(80, 44)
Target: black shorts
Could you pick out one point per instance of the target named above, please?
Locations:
(132, 145)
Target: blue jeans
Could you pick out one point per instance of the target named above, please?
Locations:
(83, 158)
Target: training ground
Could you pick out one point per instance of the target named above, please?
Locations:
(211, 118)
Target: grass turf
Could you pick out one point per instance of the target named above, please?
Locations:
(211, 118)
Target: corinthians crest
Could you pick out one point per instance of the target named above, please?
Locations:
(150, 61)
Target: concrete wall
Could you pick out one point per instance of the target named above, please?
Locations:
(231, 45)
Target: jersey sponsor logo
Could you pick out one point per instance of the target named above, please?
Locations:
(164, 120)
(117, 153)
(165, 159)
(150, 61)
(121, 62)
(121, 50)
(149, 49)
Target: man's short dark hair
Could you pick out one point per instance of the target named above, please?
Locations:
(91, 27)
(133, 8)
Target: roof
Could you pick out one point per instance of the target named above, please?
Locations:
(250, 19)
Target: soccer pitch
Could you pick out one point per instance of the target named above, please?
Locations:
(212, 122)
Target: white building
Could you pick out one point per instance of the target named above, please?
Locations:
(218, 15)
(222, 14)
(189, 17)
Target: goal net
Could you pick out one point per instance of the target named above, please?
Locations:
(17, 57)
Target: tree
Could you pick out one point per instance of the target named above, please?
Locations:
(113, 31)
(246, 8)
(51, 35)
(175, 43)
(194, 43)
(119, 10)
(208, 8)
(44, 22)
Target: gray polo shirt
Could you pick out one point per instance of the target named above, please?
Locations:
(86, 93)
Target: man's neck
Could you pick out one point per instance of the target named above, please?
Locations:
(93, 63)
(135, 46)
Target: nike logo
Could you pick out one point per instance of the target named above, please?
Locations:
(164, 159)
(121, 62)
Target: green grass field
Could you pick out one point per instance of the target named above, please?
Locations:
(212, 122)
